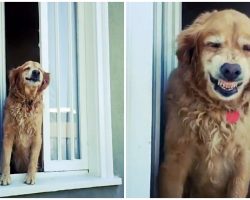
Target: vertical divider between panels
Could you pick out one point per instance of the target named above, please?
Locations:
(59, 137)
(104, 90)
(87, 46)
(72, 136)
(100, 66)
(44, 59)
(82, 81)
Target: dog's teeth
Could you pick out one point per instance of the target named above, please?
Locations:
(227, 85)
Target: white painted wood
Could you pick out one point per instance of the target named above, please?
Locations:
(58, 77)
(105, 130)
(72, 132)
(87, 74)
(64, 165)
(95, 63)
(139, 30)
(44, 60)
(82, 86)
(88, 61)
(55, 181)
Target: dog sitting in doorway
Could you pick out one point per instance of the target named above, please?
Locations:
(207, 141)
(23, 121)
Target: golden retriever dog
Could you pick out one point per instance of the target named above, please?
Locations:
(23, 121)
(207, 137)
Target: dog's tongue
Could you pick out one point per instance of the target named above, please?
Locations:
(232, 117)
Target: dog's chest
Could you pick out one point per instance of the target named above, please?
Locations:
(26, 119)
(21, 111)
(218, 142)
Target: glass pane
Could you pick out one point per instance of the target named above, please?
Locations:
(63, 88)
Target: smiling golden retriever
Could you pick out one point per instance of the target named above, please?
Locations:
(23, 121)
(207, 137)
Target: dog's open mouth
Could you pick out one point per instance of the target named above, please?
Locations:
(33, 79)
(225, 88)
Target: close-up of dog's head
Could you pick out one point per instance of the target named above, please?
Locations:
(29, 78)
(217, 48)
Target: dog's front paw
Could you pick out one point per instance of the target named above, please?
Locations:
(5, 179)
(30, 179)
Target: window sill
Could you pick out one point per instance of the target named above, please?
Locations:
(56, 181)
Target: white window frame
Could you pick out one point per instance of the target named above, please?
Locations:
(94, 45)
(60, 165)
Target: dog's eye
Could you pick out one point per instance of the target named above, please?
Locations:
(246, 47)
(215, 45)
(28, 68)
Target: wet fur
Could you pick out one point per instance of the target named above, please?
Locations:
(201, 148)
(22, 126)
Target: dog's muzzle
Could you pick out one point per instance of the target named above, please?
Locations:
(228, 80)
(35, 76)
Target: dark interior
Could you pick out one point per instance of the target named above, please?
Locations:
(22, 38)
(22, 34)
(191, 10)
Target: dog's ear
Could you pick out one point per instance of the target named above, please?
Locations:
(187, 39)
(14, 77)
(46, 81)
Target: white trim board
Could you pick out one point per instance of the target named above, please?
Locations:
(139, 32)
(56, 181)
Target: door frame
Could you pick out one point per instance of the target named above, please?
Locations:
(167, 25)
(139, 50)
(2, 70)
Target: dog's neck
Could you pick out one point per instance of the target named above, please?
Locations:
(27, 100)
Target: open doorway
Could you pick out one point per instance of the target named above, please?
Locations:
(189, 12)
(21, 39)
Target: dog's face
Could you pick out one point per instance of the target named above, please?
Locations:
(218, 44)
(32, 74)
(29, 77)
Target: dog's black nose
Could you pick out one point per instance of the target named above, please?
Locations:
(230, 71)
(35, 73)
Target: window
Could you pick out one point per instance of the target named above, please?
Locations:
(66, 142)
(77, 136)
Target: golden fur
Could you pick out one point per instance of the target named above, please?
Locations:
(23, 122)
(205, 156)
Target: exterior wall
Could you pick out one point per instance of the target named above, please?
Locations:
(116, 19)
(116, 16)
